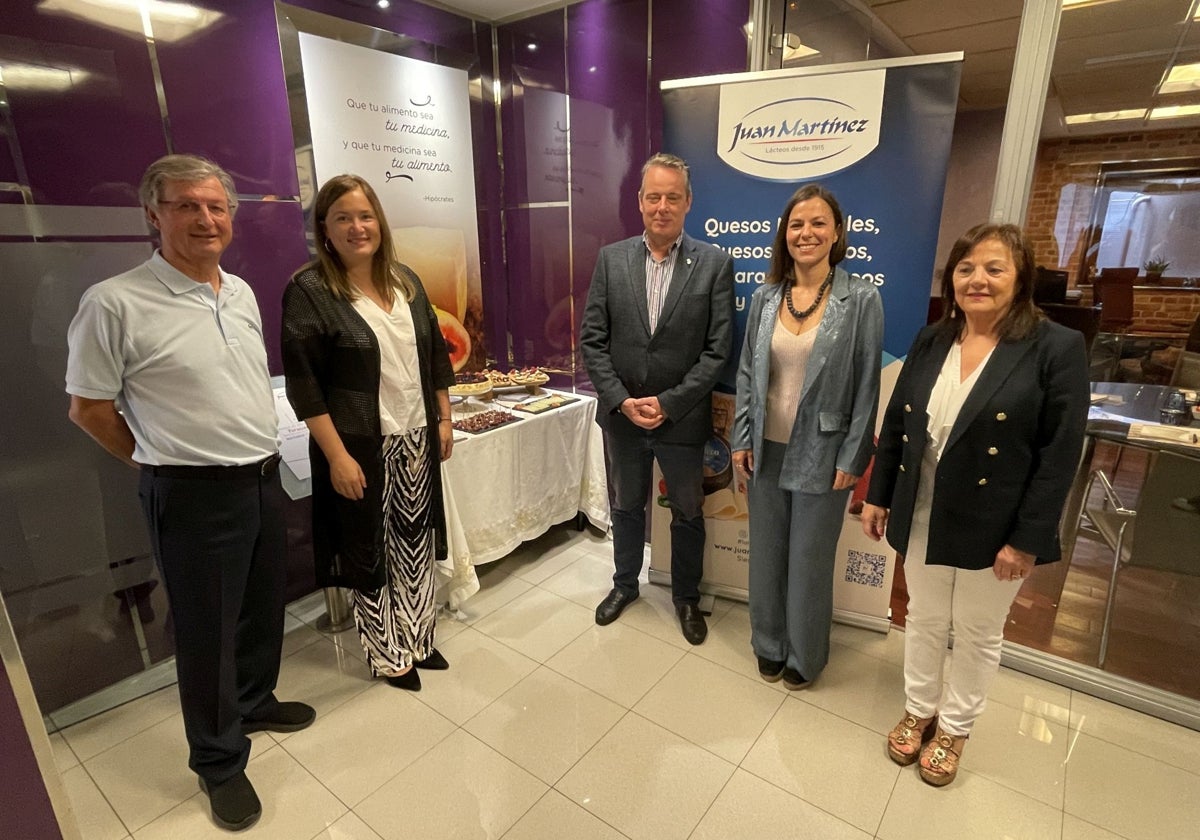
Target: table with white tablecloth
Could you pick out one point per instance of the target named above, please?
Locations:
(513, 483)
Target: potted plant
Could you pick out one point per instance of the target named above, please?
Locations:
(1155, 266)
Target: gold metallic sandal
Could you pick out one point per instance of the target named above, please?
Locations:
(940, 757)
(912, 732)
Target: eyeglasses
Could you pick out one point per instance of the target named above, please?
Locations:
(217, 210)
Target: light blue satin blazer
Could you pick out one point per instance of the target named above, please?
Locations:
(835, 420)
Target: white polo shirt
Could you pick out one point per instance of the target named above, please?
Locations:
(186, 367)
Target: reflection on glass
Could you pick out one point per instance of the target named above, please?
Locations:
(1117, 191)
(171, 22)
(78, 577)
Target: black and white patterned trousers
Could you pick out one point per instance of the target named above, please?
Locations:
(396, 623)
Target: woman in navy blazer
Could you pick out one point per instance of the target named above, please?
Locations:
(807, 392)
(977, 452)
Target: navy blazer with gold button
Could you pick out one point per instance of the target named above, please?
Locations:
(1008, 465)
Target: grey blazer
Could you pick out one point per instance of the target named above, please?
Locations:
(681, 361)
(835, 421)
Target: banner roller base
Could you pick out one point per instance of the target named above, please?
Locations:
(851, 619)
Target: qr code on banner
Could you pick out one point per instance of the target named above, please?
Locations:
(866, 569)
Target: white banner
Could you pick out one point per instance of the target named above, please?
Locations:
(405, 126)
(799, 130)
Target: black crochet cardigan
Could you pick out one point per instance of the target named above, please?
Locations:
(331, 366)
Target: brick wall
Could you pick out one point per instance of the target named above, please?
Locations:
(1064, 178)
(1163, 310)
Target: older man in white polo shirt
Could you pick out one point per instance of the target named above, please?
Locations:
(168, 372)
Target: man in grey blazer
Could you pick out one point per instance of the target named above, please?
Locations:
(656, 333)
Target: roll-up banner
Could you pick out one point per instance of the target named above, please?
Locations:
(405, 126)
(877, 134)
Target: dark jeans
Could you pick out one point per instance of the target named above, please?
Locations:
(631, 459)
(220, 548)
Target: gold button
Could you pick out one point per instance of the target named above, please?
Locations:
(1001, 416)
(902, 468)
(908, 408)
(993, 450)
(982, 482)
(904, 438)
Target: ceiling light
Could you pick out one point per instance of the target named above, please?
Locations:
(36, 77)
(169, 21)
(532, 47)
(383, 4)
(1168, 112)
(1106, 116)
(1182, 78)
(1079, 4)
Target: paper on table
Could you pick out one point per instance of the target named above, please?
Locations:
(293, 437)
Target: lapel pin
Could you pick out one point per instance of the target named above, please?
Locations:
(689, 260)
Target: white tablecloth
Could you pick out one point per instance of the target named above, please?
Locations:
(513, 483)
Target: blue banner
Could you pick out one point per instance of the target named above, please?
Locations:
(877, 134)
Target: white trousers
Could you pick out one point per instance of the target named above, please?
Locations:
(976, 605)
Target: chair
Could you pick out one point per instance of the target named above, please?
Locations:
(1167, 520)
(1050, 286)
(1084, 319)
(1113, 290)
(1187, 371)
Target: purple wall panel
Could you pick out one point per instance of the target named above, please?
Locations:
(715, 43)
(488, 200)
(8, 167)
(406, 17)
(268, 246)
(88, 142)
(532, 58)
(25, 809)
(608, 122)
(539, 286)
(227, 100)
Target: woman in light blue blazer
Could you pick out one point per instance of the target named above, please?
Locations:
(807, 392)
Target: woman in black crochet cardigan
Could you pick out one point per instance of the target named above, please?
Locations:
(368, 372)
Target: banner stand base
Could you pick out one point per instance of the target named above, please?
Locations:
(852, 619)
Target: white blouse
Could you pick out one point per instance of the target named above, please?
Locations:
(788, 364)
(945, 402)
(401, 405)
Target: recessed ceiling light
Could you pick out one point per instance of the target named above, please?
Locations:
(383, 4)
(532, 47)
(1168, 112)
(1182, 78)
(1106, 116)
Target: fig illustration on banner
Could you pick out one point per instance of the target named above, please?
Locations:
(458, 342)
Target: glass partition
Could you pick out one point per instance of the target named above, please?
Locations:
(1115, 210)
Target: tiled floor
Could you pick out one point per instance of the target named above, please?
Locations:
(548, 726)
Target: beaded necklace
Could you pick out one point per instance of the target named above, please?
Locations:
(800, 316)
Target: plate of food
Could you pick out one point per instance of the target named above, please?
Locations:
(484, 421)
(470, 385)
(530, 378)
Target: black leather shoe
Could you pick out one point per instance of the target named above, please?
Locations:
(613, 605)
(410, 680)
(691, 620)
(234, 803)
(769, 669)
(282, 717)
(793, 680)
(433, 662)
